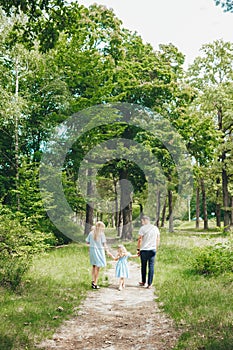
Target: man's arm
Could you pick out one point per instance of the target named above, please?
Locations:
(139, 244)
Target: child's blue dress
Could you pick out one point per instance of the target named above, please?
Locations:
(122, 269)
(97, 251)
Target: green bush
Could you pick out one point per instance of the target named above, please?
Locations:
(214, 260)
(17, 246)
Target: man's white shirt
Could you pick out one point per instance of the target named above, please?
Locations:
(150, 234)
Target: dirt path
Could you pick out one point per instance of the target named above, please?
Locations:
(117, 320)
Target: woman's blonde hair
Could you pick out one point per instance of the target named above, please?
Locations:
(99, 227)
(121, 251)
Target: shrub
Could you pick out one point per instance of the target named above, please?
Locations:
(213, 260)
(17, 246)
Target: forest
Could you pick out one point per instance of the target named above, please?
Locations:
(97, 125)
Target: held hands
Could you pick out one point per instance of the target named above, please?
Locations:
(110, 255)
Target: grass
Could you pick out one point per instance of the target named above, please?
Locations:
(51, 292)
(201, 305)
(59, 280)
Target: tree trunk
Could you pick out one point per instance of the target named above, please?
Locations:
(218, 206)
(226, 217)
(89, 219)
(141, 210)
(119, 227)
(17, 137)
(126, 206)
(231, 223)
(158, 207)
(164, 212)
(218, 215)
(127, 224)
(90, 205)
(188, 207)
(113, 217)
(205, 216)
(116, 205)
(225, 193)
(170, 211)
(197, 206)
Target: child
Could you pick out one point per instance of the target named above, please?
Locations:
(122, 270)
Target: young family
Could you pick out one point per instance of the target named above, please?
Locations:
(147, 245)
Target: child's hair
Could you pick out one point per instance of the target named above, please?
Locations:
(99, 227)
(121, 251)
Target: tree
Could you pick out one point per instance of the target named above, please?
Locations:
(34, 100)
(96, 61)
(227, 5)
(37, 20)
(125, 172)
(212, 76)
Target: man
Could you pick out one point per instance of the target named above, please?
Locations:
(148, 242)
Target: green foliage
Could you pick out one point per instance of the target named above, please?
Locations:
(214, 260)
(201, 307)
(26, 6)
(227, 5)
(35, 19)
(94, 60)
(17, 246)
(211, 78)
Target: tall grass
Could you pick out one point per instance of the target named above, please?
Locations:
(201, 305)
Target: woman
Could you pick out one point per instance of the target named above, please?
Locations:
(97, 246)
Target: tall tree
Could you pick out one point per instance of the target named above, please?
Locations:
(212, 75)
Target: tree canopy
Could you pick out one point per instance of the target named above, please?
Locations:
(61, 59)
(227, 5)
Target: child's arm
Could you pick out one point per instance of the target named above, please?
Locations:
(112, 256)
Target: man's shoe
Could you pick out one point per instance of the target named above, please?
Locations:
(142, 284)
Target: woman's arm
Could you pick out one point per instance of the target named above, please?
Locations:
(106, 248)
(112, 256)
(108, 252)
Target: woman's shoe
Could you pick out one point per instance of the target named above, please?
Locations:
(94, 286)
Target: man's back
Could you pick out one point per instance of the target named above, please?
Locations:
(149, 234)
